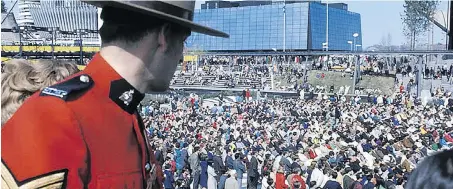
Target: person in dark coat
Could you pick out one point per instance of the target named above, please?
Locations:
(204, 171)
(239, 167)
(169, 179)
(184, 154)
(218, 164)
(286, 163)
(332, 184)
(179, 159)
(194, 163)
(223, 178)
(252, 173)
(229, 160)
(159, 157)
(347, 180)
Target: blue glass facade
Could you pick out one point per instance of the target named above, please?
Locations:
(258, 28)
(342, 25)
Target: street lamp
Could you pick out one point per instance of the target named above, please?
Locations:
(272, 71)
(284, 26)
(350, 42)
(357, 46)
(355, 35)
(80, 32)
(53, 31)
(327, 25)
(21, 29)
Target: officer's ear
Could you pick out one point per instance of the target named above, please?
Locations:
(164, 37)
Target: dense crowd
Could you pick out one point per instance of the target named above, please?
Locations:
(428, 71)
(311, 142)
(254, 141)
(437, 73)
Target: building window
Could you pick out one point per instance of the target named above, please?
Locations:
(59, 3)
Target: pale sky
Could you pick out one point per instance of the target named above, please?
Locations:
(379, 18)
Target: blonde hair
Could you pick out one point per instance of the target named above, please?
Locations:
(49, 72)
(20, 79)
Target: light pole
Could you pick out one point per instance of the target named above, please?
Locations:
(21, 30)
(350, 43)
(357, 46)
(272, 71)
(355, 35)
(327, 25)
(53, 30)
(80, 32)
(284, 25)
(356, 61)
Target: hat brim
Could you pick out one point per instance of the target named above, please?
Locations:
(148, 11)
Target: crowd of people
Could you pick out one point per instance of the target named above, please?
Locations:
(437, 73)
(428, 72)
(249, 76)
(330, 142)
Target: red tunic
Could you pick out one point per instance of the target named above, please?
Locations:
(280, 181)
(298, 178)
(89, 138)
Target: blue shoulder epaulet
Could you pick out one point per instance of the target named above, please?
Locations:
(64, 89)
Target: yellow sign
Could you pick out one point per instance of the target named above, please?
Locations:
(190, 58)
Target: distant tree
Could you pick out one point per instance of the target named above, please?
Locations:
(3, 7)
(383, 41)
(416, 18)
(389, 41)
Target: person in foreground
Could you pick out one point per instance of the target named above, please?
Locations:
(85, 132)
(22, 79)
(434, 172)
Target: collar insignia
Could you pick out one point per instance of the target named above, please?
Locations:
(127, 96)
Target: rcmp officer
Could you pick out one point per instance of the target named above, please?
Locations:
(85, 132)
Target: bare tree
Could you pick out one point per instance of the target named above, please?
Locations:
(416, 18)
(383, 41)
(389, 41)
(3, 7)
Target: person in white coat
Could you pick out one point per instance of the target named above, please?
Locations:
(302, 94)
(212, 182)
(231, 182)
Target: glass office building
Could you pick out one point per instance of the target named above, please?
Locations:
(261, 27)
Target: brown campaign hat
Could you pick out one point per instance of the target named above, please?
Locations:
(178, 12)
